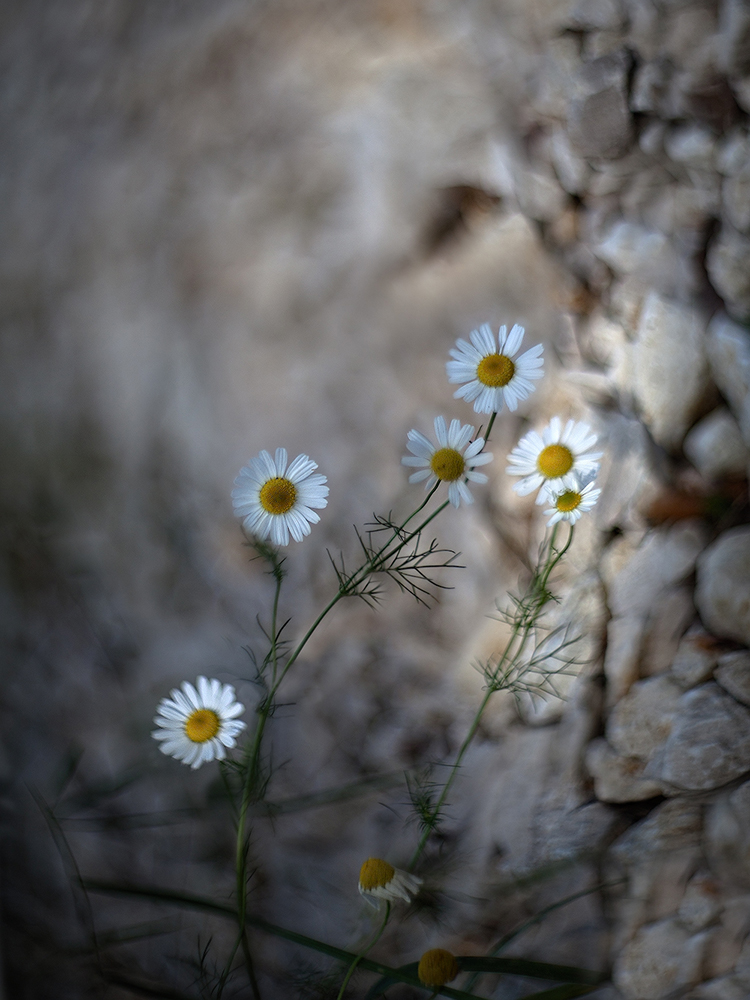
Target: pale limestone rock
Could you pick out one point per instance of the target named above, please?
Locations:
(702, 902)
(661, 958)
(596, 15)
(733, 673)
(695, 659)
(651, 139)
(648, 255)
(599, 123)
(722, 593)
(723, 988)
(561, 63)
(727, 836)
(572, 170)
(617, 778)
(664, 558)
(539, 196)
(666, 624)
(692, 145)
(735, 196)
(627, 476)
(733, 152)
(670, 369)
(603, 341)
(728, 270)
(650, 82)
(709, 744)
(673, 826)
(715, 446)
(622, 657)
(641, 722)
(728, 351)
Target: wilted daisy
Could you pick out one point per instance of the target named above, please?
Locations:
(557, 457)
(196, 725)
(378, 878)
(570, 504)
(489, 370)
(276, 501)
(437, 967)
(452, 461)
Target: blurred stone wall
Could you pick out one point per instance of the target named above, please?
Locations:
(235, 226)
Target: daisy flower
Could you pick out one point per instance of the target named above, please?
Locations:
(570, 504)
(196, 725)
(378, 878)
(452, 461)
(489, 370)
(437, 967)
(275, 500)
(556, 457)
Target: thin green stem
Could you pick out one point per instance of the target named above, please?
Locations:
(365, 951)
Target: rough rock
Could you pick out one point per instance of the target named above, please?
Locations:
(722, 593)
(729, 357)
(573, 172)
(727, 836)
(670, 368)
(723, 988)
(664, 558)
(733, 152)
(715, 446)
(673, 826)
(733, 673)
(596, 15)
(617, 778)
(669, 618)
(641, 722)
(695, 659)
(734, 37)
(647, 255)
(622, 657)
(735, 196)
(726, 263)
(661, 958)
(709, 744)
(692, 145)
(599, 123)
(702, 902)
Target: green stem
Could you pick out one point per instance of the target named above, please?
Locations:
(365, 951)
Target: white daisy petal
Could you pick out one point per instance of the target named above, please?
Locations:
(451, 462)
(275, 499)
(381, 880)
(200, 724)
(490, 373)
(556, 459)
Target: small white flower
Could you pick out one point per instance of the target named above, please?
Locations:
(557, 458)
(490, 372)
(452, 462)
(378, 878)
(196, 725)
(570, 504)
(276, 501)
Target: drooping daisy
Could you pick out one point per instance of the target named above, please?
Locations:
(556, 457)
(570, 504)
(276, 501)
(452, 461)
(437, 967)
(489, 370)
(378, 878)
(196, 725)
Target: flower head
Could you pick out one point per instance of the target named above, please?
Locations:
(570, 504)
(556, 457)
(378, 878)
(196, 725)
(452, 461)
(275, 500)
(437, 967)
(490, 372)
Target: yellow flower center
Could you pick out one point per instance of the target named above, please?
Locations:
(375, 874)
(447, 463)
(437, 967)
(278, 495)
(202, 725)
(568, 501)
(495, 370)
(555, 460)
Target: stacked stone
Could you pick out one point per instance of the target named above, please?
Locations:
(640, 178)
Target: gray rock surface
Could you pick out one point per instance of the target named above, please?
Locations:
(715, 446)
(599, 122)
(618, 778)
(727, 267)
(641, 722)
(723, 587)
(733, 673)
(660, 959)
(729, 357)
(709, 744)
(728, 836)
(695, 659)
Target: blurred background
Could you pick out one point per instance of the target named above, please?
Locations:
(231, 226)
